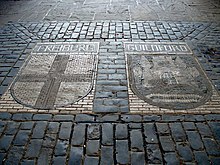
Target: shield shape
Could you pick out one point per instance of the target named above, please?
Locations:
(166, 76)
(56, 74)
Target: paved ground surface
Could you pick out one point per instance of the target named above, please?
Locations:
(129, 130)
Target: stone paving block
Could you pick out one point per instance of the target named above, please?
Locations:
(204, 130)
(107, 118)
(5, 142)
(61, 148)
(92, 147)
(215, 160)
(121, 131)
(212, 148)
(84, 117)
(33, 148)
(137, 158)
(122, 152)
(136, 140)
(63, 118)
(65, 130)
(185, 152)
(11, 128)
(27, 162)
(50, 140)
(14, 155)
(150, 133)
(39, 130)
(163, 128)
(194, 140)
(22, 137)
(45, 156)
(106, 155)
(107, 134)
(151, 118)
(76, 154)
(167, 143)
(22, 116)
(78, 137)
(189, 126)
(154, 155)
(201, 157)
(177, 131)
(93, 131)
(59, 160)
(5, 115)
(91, 160)
(42, 117)
(131, 118)
(215, 127)
(53, 127)
(27, 125)
(171, 158)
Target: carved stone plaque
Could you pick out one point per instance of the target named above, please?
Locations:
(56, 74)
(166, 75)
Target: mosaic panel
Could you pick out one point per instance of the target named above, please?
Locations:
(56, 74)
(170, 80)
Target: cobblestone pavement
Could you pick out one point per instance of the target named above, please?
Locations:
(28, 138)
(110, 125)
(77, 134)
(124, 10)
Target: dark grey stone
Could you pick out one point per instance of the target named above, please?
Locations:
(42, 117)
(27, 125)
(195, 140)
(131, 118)
(212, 148)
(39, 130)
(122, 152)
(92, 147)
(204, 130)
(53, 127)
(59, 160)
(5, 115)
(106, 155)
(11, 128)
(45, 156)
(50, 140)
(172, 117)
(107, 134)
(107, 118)
(34, 148)
(84, 117)
(215, 160)
(189, 126)
(137, 158)
(177, 131)
(27, 162)
(136, 140)
(61, 148)
(167, 143)
(78, 137)
(76, 154)
(121, 131)
(150, 133)
(22, 137)
(63, 118)
(215, 127)
(151, 118)
(5, 143)
(93, 131)
(154, 154)
(171, 158)
(91, 160)
(163, 128)
(201, 157)
(22, 116)
(65, 130)
(185, 152)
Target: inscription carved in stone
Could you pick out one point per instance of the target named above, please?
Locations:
(56, 74)
(171, 79)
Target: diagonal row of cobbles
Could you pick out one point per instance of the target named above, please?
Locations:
(109, 139)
